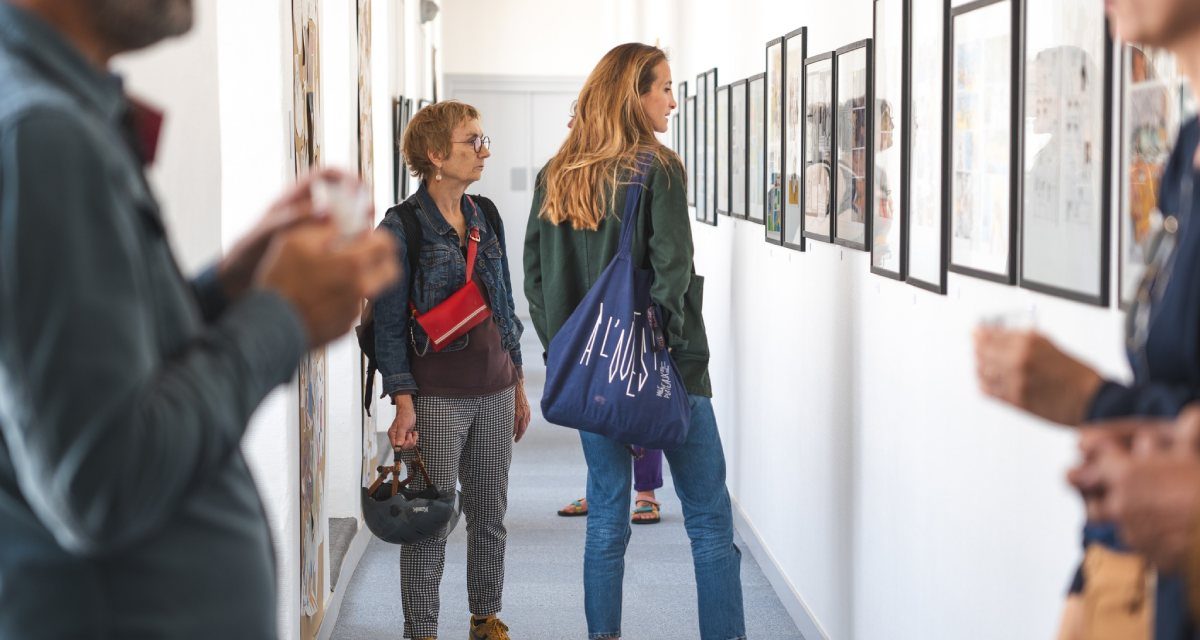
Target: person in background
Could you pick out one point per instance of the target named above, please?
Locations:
(1026, 370)
(464, 405)
(126, 508)
(572, 236)
(647, 467)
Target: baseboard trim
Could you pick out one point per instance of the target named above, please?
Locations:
(805, 621)
(358, 547)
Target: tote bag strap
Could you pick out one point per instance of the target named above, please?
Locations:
(632, 195)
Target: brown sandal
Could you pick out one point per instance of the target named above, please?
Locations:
(576, 508)
(645, 506)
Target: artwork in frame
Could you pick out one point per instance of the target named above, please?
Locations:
(1155, 100)
(889, 171)
(422, 103)
(1064, 204)
(980, 172)
(817, 154)
(756, 118)
(722, 147)
(406, 184)
(711, 176)
(773, 168)
(853, 184)
(397, 150)
(792, 214)
(366, 173)
(675, 135)
(689, 146)
(926, 237)
(681, 95)
(701, 125)
(739, 145)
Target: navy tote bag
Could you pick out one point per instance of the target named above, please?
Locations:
(608, 370)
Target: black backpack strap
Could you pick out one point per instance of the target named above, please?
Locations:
(490, 214)
(406, 214)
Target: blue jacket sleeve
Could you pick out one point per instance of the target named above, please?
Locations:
(1115, 400)
(391, 324)
(105, 431)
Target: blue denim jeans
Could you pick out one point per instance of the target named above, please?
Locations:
(698, 470)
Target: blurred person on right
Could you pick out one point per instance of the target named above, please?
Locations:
(1026, 370)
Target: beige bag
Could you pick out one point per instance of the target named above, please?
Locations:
(1117, 602)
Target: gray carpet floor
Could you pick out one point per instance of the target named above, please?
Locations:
(544, 575)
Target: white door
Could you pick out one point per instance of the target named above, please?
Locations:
(527, 122)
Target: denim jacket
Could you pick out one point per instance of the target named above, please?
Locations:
(442, 271)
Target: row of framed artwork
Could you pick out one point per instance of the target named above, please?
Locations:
(402, 113)
(985, 150)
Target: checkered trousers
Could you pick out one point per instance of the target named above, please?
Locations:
(466, 440)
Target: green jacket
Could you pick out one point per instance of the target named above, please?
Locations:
(562, 264)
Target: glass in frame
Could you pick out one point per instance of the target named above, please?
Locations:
(890, 172)
(792, 221)
(739, 144)
(757, 149)
(722, 164)
(926, 247)
(773, 184)
(980, 180)
(1064, 203)
(853, 149)
(818, 147)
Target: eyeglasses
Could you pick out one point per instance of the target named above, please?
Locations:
(479, 142)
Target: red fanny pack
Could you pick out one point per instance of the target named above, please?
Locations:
(464, 310)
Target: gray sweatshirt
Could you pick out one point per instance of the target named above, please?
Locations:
(126, 509)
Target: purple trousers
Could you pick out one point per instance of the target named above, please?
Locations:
(647, 470)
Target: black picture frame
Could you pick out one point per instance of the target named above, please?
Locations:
(739, 149)
(422, 103)
(773, 165)
(1008, 274)
(853, 151)
(689, 145)
(756, 147)
(889, 161)
(681, 95)
(707, 213)
(791, 206)
(820, 139)
(926, 211)
(702, 98)
(1053, 179)
(722, 165)
(406, 180)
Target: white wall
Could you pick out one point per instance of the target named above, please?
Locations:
(180, 78)
(897, 501)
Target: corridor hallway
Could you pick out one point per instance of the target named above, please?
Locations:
(543, 595)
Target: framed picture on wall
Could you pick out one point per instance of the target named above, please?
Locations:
(853, 184)
(422, 103)
(889, 213)
(397, 156)
(926, 234)
(408, 180)
(675, 135)
(773, 184)
(723, 159)
(981, 172)
(817, 153)
(739, 145)
(792, 224)
(1065, 141)
(1155, 100)
(689, 147)
(711, 175)
(681, 95)
(756, 176)
(702, 158)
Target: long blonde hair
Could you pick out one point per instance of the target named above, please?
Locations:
(611, 129)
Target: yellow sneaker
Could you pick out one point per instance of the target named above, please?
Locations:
(490, 628)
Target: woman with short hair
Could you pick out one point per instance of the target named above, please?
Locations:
(464, 404)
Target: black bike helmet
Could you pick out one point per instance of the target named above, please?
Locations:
(399, 515)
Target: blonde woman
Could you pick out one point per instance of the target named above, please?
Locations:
(572, 235)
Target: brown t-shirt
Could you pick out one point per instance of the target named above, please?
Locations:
(481, 368)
